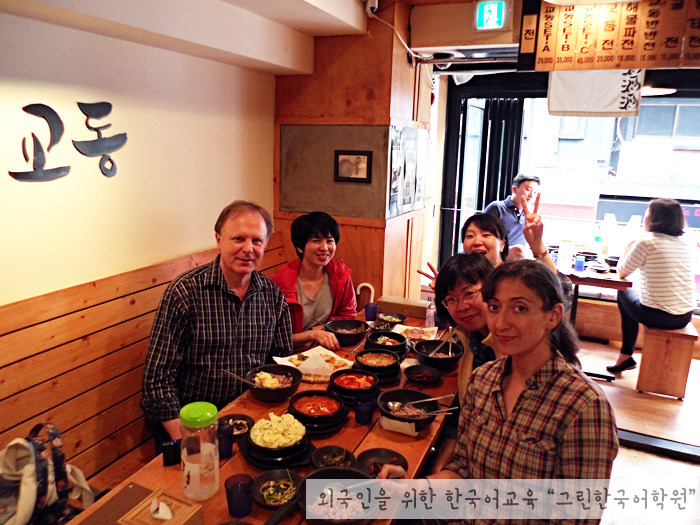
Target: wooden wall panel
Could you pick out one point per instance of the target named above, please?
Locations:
(38, 309)
(361, 247)
(396, 238)
(27, 342)
(39, 368)
(63, 389)
(351, 83)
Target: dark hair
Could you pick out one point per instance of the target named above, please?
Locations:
(316, 223)
(541, 280)
(665, 216)
(470, 268)
(523, 177)
(237, 207)
(488, 223)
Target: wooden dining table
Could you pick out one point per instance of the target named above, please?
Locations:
(353, 436)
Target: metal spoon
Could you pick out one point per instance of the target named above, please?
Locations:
(242, 379)
(396, 405)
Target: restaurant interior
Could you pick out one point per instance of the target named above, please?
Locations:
(219, 100)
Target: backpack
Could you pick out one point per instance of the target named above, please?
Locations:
(35, 481)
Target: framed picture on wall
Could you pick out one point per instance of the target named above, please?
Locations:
(353, 166)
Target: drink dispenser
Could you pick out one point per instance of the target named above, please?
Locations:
(200, 450)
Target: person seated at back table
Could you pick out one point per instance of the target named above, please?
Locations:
(532, 414)
(318, 287)
(220, 316)
(512, 211)
(665, 263)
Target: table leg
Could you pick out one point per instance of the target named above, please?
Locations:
(572, 320)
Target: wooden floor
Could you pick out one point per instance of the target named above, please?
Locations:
(650, 414)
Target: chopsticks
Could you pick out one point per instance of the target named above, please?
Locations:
(448, 340)
(428, 399)
(242, 379)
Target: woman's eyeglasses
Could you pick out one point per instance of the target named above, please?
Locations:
(468, 297)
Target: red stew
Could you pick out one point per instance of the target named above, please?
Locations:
(316, 405)
(354, 381)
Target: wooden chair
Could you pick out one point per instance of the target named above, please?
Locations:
(666, 357)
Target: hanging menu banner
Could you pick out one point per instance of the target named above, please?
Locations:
(635, 35)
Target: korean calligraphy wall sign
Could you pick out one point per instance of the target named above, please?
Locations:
(634, 35)
(100, 147)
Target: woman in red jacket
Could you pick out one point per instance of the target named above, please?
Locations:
(317, 287)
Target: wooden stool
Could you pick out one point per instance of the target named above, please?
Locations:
(666, 356)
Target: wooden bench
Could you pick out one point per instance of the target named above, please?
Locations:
(75, 358)
(666, 357)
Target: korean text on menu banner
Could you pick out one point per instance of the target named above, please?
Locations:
(646, 34)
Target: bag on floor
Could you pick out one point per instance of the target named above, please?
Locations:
(36, 483)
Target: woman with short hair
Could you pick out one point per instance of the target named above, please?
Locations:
(665, 265)
(317, 286)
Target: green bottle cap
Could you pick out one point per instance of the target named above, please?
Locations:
(198, 414)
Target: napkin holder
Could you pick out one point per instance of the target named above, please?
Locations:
(403, 427)
(185, 512)
(402, 305)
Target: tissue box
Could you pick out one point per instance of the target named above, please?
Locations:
(185, 512)
(402, 305)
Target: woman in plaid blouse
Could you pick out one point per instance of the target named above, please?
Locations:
(533, 413)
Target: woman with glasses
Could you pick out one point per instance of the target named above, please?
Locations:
(532, 414)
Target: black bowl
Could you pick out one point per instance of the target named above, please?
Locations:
(379, 455)
(404, 395)
(280, 474)
(321, 418)
(347, 324)
(373, 341)
(274, 395)
(292, 451)
(589, 256)
(332, 474)
(381, 326)
(348, 394)
(388, 369)
(422, 374)
(423, 349)
(612, 260)
(241, 424)
(389, 317)
(319, 461)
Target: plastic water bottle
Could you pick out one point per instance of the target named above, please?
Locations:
(200, 450)
(565, 259)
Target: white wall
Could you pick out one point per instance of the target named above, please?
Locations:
(200, 134)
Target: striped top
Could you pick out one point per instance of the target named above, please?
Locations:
(665, 264)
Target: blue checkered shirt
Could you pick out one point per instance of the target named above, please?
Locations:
(202, 328)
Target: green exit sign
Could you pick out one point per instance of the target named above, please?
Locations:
(490, 15)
